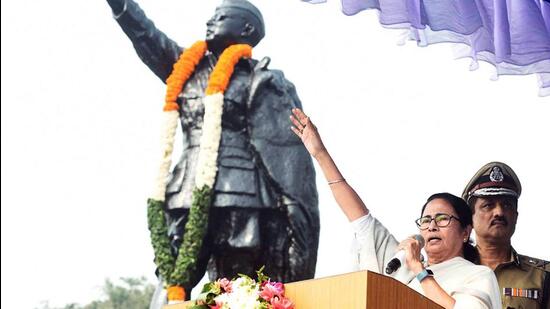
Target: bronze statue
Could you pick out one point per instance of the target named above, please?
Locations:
(264, 209)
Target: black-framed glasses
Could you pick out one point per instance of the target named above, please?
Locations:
(441, 220)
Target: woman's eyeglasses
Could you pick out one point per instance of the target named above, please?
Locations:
(441, 220)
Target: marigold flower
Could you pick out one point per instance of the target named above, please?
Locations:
(176, 292)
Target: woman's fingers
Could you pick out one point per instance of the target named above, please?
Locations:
(307, 132)
(403, 244)
(296, 131)
(298, 127)
(408, 243)
(296, 123)
(302, 118)
(414, 240)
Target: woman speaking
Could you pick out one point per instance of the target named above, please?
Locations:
(448, 277)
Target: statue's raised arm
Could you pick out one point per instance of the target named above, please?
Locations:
(153, 47)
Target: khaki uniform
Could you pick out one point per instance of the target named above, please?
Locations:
(524, 283)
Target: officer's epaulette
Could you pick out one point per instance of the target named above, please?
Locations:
(534, 262)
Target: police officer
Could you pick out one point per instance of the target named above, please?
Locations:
(493, 194)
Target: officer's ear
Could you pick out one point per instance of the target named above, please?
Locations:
(467, 233)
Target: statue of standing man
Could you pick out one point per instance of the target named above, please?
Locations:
(263, 205)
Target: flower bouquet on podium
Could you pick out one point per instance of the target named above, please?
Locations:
(243, 292)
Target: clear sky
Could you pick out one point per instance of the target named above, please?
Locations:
(80, 126)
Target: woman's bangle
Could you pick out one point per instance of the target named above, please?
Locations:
(331, 182)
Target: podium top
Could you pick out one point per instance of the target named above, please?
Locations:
(357, 290)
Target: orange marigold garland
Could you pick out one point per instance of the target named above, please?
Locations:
(176, 274)
(219, 79)
(183, 68)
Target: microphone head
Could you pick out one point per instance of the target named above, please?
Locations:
(420, 240)
(393, 265)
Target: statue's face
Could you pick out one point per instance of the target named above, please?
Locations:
(228, 26)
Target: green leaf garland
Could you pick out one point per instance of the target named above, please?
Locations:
(180, 271)
(195, 230)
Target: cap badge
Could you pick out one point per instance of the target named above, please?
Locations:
(496, 174)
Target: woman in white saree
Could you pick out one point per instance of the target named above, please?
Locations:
(447, 277)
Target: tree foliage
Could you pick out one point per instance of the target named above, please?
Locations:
(132, 293)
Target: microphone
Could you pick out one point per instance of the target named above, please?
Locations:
(399, 258)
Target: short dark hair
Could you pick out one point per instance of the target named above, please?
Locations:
(459, 205)
(464, 217)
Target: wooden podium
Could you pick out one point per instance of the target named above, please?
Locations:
(358, 290)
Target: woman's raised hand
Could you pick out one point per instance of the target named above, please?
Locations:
(307, 132)
(345, 196)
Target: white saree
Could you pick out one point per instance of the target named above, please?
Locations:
(472, 286)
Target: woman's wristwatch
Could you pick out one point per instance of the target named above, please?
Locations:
(423, 274)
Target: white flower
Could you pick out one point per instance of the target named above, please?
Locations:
(170, 124)
(207, 166)
(244, 295)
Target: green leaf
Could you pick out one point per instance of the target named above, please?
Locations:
(207, 287)
(261, 276)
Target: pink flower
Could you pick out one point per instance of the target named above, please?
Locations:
(281, 303)
(226, 285)
(218, 305)
(272, 289)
